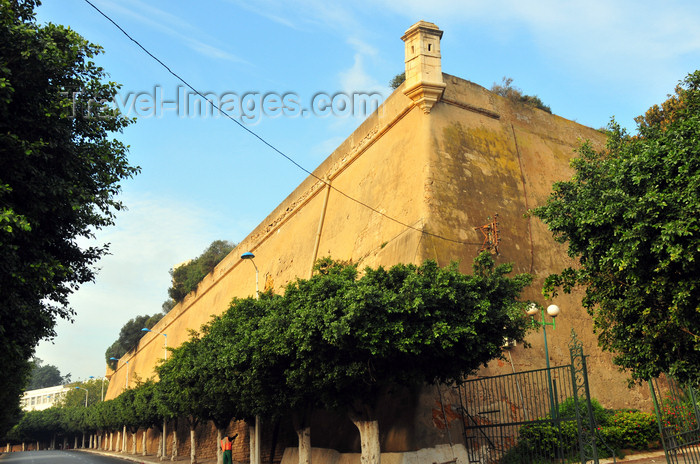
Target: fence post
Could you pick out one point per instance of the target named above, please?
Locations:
(587, 428)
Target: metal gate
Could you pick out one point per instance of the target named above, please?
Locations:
(542, 415)
(678, 417)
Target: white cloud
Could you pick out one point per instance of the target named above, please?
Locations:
(356, 79)
(602, 38)
(171, 25)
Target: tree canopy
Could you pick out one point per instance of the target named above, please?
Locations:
(75, 397)
(353, 337)
(129, 336)
(397, 80)
(187, 276)
(45, 375)
(340, 340)
(631, 217)
(59, 177)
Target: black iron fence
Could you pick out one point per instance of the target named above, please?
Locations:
(537, 416)
(678, 416)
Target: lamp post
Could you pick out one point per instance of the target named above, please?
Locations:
(126, 384)
(165, 342)
(256, 450)
(102, 393)
(553, 311)
(249, 256)
(86, 393)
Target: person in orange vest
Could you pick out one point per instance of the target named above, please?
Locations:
(226, 444)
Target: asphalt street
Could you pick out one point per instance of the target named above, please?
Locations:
(58, 457)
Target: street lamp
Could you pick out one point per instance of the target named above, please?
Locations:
(126, 384)
(86, 393)
(165, 342)
(249, 256)
(553, 311)
(102, 394)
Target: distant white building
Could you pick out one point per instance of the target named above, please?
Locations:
(43, 398)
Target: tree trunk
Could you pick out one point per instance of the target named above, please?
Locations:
(124, 440)
(165, 441)
(193, 444)
(369, 440)
(75, 442)
(173, 456)
(159, 453)
(117, 442)
(304, 435)
(82, 445)
(300, 421)
(251, 436)
(24, 448)
(37, 446)
(133, 444)
(219, 452)
(143, 441)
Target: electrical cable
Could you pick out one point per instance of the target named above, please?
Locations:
(268, 144)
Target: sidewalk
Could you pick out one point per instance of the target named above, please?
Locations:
(653, 457)
(150, 458)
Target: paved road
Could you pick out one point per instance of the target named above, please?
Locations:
(57, 457)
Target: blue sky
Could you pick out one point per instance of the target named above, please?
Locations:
(205, 178)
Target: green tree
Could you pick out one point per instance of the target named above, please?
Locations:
(342, 341)
(185, 278)
(355, 339)
(76, 394)
(59, 176)
(245, 353)
(506, 89)
(45, 375)
(129, 337)
(630, 215)
(397, 80)
(147, 407)
(186, 384)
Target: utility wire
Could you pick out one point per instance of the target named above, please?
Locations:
(275, 149)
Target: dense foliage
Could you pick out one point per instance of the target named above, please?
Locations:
(507, 90)
(397, 80)
(340, 340)
(75, 397)
(59, 175)
(186, 277)
(129, 337)
(45, 375)
(631, 217)
(615, 431)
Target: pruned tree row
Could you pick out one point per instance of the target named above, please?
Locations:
(340, 341)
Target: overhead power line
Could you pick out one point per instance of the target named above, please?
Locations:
(268, 144)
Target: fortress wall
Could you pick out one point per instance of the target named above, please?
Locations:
(445, 172)
(380, 164)
(481, 165)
